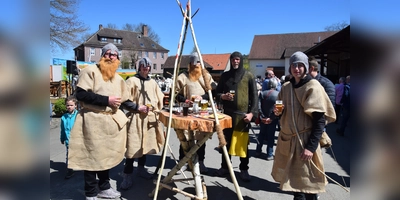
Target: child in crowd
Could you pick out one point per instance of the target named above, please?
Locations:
(67, 121)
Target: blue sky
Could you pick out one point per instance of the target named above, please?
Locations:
(220, 26)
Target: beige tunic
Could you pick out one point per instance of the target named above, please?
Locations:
(145, 131)
(192, 87)
(293, 173)
(99, 134)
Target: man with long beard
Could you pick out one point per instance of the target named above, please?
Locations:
(191, 85)
(98, 136)
(145, 132)
(241, 107)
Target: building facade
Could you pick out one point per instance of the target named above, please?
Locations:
(132, 46)
(273, 51)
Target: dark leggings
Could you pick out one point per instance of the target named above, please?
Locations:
(304, 196)
(201, 152)
(244, 162)
(128, 169)
(91, 182)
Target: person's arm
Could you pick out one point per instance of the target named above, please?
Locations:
(260, 98)
(220, 87)
(180, 98)
(205, 96)
(62, 132)
(253, 96)
(130, 106)
(91, 98)
(331, 91)
(318, 124)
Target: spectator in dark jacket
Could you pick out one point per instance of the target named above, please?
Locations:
(326, 83)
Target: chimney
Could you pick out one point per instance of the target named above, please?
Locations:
(100, 27)
(144, 30)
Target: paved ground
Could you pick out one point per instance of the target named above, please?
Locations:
(262, 186)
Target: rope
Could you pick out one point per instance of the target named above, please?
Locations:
(302, 147)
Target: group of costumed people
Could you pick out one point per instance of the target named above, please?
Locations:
(103, 135)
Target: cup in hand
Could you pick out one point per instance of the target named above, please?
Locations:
(279, 105)
(233, 94)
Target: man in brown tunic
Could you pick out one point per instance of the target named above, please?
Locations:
(145, 132)
(190, 85)
(298, 164)
(98, 136)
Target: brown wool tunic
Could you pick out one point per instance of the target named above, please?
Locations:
(145, 131)
(98, 136)
(288, 169)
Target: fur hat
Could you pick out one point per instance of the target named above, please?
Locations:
(194, 58)
(146, 62)
(109, 46)
(299, 57)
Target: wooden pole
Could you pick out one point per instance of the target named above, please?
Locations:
(219, 131)
(180, 47)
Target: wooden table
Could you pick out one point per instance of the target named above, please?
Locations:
(195, 123)
(190, 147)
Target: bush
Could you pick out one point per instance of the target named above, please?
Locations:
(60, 107)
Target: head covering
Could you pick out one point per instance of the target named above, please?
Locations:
(146, 62)
(194, 58)
(238, 73)
(299, 57)
(109, 46)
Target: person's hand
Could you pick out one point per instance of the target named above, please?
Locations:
(227, 96)
(277, 112)
(247, 117)
(306, 155)
(198, 97)
(114, 101)
(143, 109)
(266, 120)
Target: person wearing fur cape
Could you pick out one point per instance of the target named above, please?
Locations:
(307, 109)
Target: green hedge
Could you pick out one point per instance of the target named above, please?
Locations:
(60, 107)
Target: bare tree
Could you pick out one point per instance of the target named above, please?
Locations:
(337, 26)
(111, 25)
(128, 27)
(65, 27)
(152, 35)
(85, 37)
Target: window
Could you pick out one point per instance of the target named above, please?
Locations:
(103, 39)
(146, 54)
(162, 55)
(141, 44)
(119, 41)
(139, 54)
(162, 66)
(119, 54)
(154, 54)
(92, 51)
(154, 66)
(115, 40)
(153, 45)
